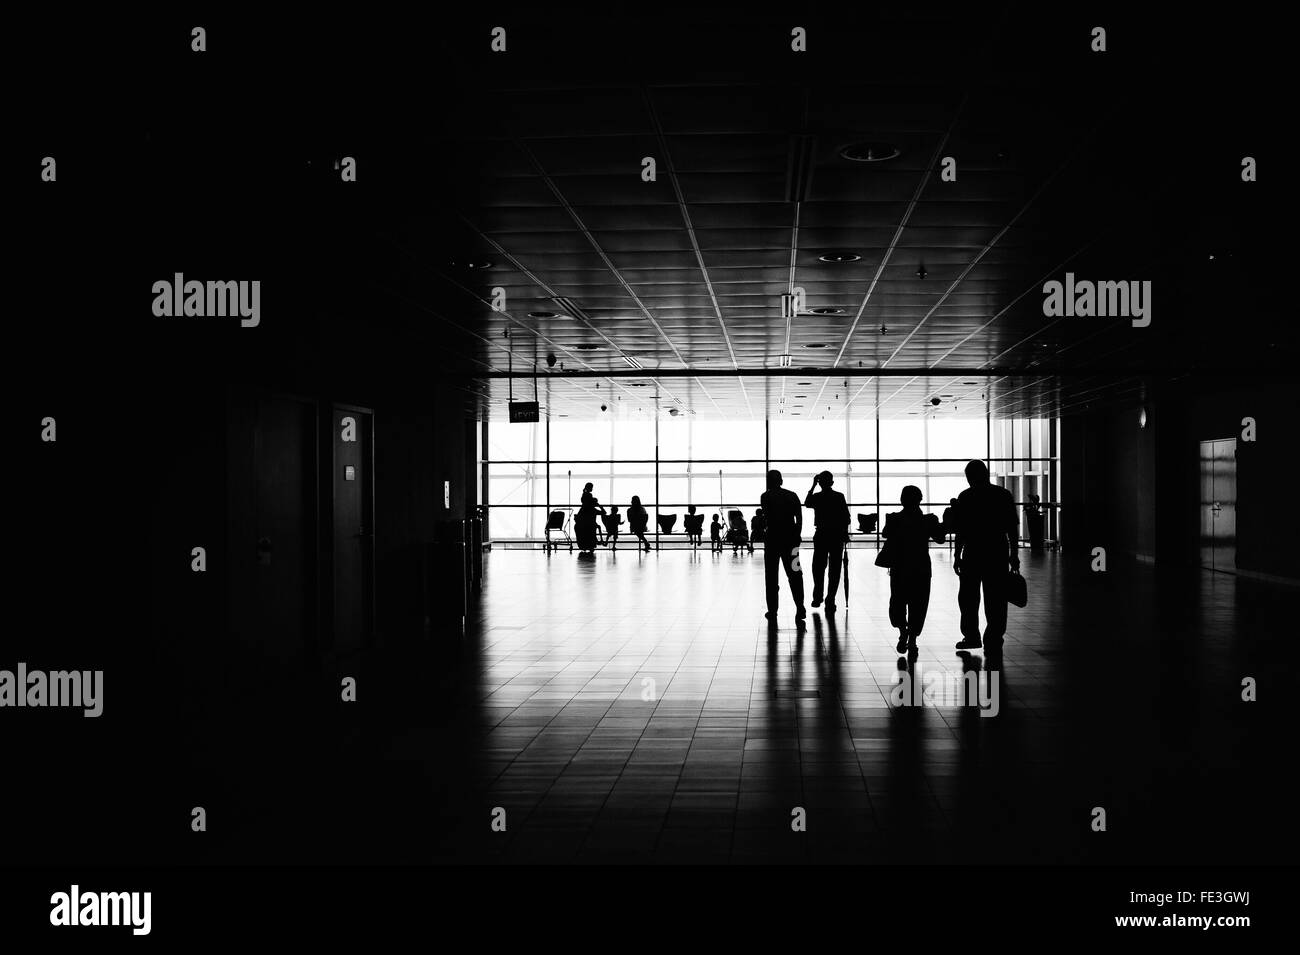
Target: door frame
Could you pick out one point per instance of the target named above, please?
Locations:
(1213, 565)
(369, 587)
(313, 627)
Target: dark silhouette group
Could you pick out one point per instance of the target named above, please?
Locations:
(982, 523)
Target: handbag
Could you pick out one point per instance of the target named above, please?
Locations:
(1017, 592)
(886, 556)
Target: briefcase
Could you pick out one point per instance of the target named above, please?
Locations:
(1017, 592)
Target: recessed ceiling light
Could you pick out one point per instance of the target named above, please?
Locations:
(803, 382)
(801, 396)
(815, 345)
(638, 384)
(543, 314)
(869, 152)
(825, 310)
(839, 257)
(970, 382)
(586, 346)
(475, 264)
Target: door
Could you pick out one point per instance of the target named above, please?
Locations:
(352, 481)
(1219, 504)
(272, 443)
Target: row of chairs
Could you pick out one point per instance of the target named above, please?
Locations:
(559, 526)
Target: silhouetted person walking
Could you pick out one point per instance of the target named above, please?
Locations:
(781, 544)
(637, 519)
(759, 527)
(987, 535)
(831, 517)
(909, 533)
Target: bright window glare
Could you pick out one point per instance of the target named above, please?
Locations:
(722, 464)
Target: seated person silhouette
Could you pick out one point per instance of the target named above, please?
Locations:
(759, 527)
(949, 522)
(693, 524)
(637, 520)
(738, 532)
(612, 521)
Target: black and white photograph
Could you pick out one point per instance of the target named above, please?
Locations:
(508, 467)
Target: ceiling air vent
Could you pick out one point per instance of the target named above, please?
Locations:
(869, 152)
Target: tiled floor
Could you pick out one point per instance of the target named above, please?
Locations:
(639, 708)
(1117, 690)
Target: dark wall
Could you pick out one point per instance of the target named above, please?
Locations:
(201, 488)
(1108, 483)
(1136, 491)
(419, 444)
(1200, 411)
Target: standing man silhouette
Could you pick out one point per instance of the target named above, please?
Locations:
(987, 537)
(781, 544)
(831, 516)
